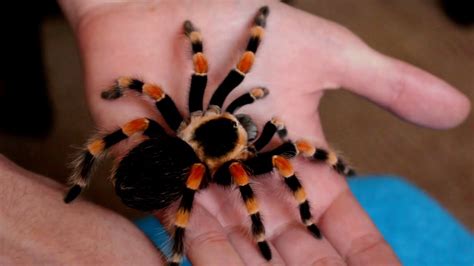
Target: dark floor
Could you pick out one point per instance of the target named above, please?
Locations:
(440, 162)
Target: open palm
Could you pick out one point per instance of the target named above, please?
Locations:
(300, 57)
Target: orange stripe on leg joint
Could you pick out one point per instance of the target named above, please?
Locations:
(305, 148)
(246, 62)
(134, 126)
(257, 31)
(124, 82)
(239, 174)
(200, 63)
(195, 176)
(300, 195)
(182, 218)
(154, 91)
(96, 147)
(251, 205)
(283, 166)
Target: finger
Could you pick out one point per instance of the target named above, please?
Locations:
(407, 91)
(240, 238)
(354, 236)
(206, 241)
(298, 247)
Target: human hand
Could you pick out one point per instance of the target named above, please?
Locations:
(300, 57)
(38, 228)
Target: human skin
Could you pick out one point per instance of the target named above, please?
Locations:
(37, 228)
(301, 56)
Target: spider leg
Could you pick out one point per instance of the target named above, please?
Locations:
(269, 130)
(237, 75)
(260, 163)
(248, 98)
(266, 162)
(163, 102)
(307, 150)
(241, 178)
(97, 146)
(285, 169)
(196, 175)
(199, 77)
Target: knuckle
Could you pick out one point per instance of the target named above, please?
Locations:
(328, 261)
(365, 244)
(208, 238)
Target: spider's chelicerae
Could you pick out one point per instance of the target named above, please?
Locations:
(209, 146)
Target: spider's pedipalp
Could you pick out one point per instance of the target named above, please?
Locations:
(163, 102)
(261, 18)
(237, 75)
(241, 178)
(248, 98)
(319, 154)
(272, 127)
(262, 162)
(199, 77)
(193, 182)
(96, 148)
(249, 126)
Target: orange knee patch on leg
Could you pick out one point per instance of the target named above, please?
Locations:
(195, 37)
(96, 147)
(278, 123)
(246, 62)
(195, 176)
(257, 31)
(300, 195)
(154, 91)
(252, 205)
(332, 158)
(259, 92)
(200, 63)
(283, 166)
(305, 148)
(182, 218)
(239, 174)
(134, 126)
(124, 82)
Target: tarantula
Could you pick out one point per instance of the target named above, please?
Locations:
(209, 146)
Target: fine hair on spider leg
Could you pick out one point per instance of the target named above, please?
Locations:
(199, 77)
(237, 75)
(163, 102)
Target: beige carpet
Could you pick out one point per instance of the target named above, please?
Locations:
(440, 162)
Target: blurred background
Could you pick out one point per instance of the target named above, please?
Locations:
(44, 115)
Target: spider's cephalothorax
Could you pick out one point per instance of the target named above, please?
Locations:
(215, 137)
(211, 145)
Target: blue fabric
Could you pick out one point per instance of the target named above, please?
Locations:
(418, 229)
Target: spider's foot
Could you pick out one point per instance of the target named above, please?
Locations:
(112, 93)
(72, 194)
(315, 231)
(265, 250)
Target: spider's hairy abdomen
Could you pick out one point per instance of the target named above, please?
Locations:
(153, 174)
